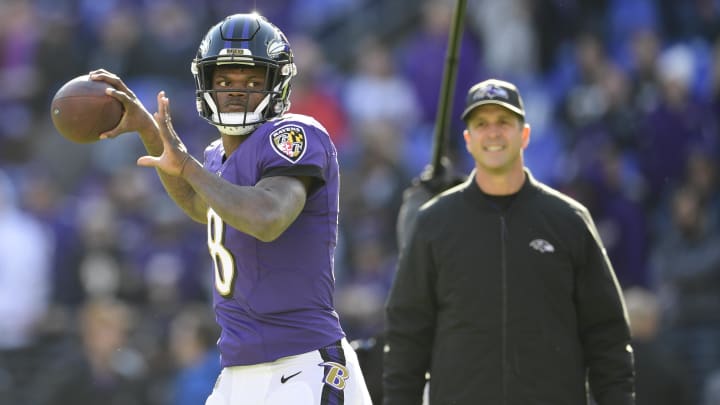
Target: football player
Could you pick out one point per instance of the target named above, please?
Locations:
(268, 192)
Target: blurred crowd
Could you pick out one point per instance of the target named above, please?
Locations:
(105, 285)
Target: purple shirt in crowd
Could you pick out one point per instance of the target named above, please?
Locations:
(275, 299)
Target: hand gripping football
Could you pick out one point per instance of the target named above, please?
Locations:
(81, 110)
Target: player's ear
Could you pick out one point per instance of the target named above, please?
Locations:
(466, 135)
(525, 135)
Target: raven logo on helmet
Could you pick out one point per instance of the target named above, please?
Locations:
(204, 46)
(277, 47)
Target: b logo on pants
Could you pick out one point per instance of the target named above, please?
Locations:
(337, 374)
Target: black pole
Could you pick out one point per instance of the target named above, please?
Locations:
(445, 103)
(438, 175)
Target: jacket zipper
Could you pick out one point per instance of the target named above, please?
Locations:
(504, 309)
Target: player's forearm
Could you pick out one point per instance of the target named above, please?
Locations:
(177, 188)
(258, 211)
(185, 197)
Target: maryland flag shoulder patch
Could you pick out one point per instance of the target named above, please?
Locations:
(289, 141)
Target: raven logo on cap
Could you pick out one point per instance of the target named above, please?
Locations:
(491, 91)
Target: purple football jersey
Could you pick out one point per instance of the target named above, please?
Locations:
(275, 299)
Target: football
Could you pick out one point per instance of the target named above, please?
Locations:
(81, 110)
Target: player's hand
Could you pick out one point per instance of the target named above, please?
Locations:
(136, 118)
(175, 156)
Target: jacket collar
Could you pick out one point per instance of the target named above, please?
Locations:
(476, 197)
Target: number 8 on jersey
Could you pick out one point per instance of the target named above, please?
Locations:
(223, 260)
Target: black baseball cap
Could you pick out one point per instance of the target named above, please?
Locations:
(494, 91)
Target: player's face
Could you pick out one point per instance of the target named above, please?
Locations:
(496, 137)
(241, 87)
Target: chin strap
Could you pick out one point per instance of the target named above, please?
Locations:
(236, 130)
(232, 123)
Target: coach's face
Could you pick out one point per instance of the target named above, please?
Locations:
(496, 137)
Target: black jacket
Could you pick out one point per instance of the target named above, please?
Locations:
(506, 307)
